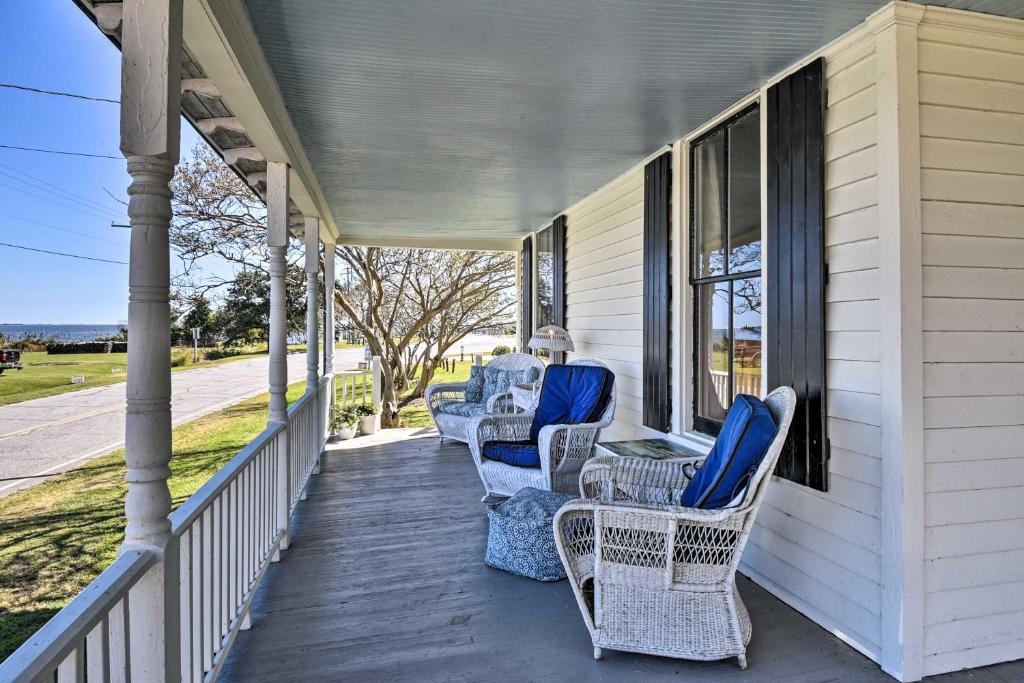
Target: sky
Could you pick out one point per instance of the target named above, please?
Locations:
(57, 202)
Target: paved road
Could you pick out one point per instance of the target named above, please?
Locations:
(48, 435)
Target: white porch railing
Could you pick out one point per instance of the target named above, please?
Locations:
(354, 386)
(227, 534)
(744, 383)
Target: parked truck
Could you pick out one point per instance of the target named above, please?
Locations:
(10, 359)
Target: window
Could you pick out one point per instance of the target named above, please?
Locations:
(545, 282)
(725, 270)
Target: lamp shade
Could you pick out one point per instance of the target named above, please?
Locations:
(552, 338)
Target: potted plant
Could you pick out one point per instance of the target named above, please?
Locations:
(343, 424)
(367, 413)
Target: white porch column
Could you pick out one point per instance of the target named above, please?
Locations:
(312, 241)
(329, 276)
(150, 111)
(277, 241)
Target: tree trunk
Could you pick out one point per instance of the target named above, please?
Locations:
(429, 368)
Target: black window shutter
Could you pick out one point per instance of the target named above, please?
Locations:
(558, 231)
(526, 304)
(657, 293)
(797, 273)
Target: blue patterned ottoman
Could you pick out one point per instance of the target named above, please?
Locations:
(521, 539)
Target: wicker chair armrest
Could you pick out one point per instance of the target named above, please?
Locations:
(566, 448)
(501, 403)
(484, 428)
(439, 393)
(635, 480)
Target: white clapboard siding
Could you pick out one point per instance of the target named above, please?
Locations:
(822, 551)
(604, 292)
(971, 88)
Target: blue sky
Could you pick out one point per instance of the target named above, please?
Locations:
(50, 44)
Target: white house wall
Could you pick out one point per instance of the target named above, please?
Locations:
(821, 552)
(971, 84)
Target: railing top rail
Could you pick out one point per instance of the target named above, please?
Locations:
(61, 634)
(325, 379)
(365, 371)
(190, 510)
(300, 403)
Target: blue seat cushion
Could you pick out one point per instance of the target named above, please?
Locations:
(462, 408)
(572, 394)
(475, 386)
(743, 442)
(515, 453)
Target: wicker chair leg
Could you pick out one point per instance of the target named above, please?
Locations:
(742, 660)
(598, 654)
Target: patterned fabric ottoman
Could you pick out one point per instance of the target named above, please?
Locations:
(521, 539)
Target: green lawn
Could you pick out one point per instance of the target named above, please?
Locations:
(58, 536)
(48, 375)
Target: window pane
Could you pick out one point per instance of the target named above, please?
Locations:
(745, 195)
(746, 333)
(545, 278)
(713, 351)
(709, 206)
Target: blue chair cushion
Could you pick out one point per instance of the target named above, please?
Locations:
(475, 386)
(515, 453)
(572, 394)
(521, 538)
(743, 442)
(499, 381)
(462, 408)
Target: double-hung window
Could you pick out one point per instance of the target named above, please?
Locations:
(725, 266)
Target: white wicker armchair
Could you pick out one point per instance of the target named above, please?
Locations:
(455, 426)
(656, 578)
(563, 449)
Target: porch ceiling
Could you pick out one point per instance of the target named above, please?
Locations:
(483, 119)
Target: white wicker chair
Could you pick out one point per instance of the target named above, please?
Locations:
(655, 578)
(455, 426)
(563, 449)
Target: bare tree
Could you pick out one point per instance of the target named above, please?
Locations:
(411, 305)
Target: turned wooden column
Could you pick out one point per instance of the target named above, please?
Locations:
(277, 242)
(150, 115)
(311, 237)
(329, 276)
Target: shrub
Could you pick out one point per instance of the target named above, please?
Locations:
(87, 347)
(179, 359)
(343, 417)
(501, 350)
(366, 410)
(227, 352)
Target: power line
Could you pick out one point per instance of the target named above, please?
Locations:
(92, 213)
(56, 227)
(71, 196)
(59, 151)
(40, 91)
(60, 253)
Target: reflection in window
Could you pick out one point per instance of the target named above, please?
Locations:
(726, 267)
(545, 282)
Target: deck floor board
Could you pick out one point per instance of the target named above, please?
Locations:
(385, 581)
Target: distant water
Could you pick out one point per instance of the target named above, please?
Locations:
(67, 333)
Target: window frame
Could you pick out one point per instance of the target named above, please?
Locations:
(700, 423)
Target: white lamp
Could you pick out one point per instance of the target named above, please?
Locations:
(552, 338)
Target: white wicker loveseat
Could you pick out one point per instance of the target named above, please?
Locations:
(656, 578)
(563, 448)
(440, 397)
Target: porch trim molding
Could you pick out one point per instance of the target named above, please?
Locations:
(221, 38)
(901, 339)
(439, 242)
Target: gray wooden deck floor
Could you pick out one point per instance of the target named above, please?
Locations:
(385, 581)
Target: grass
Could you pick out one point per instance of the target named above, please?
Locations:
(56, 537)
(48, 375)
